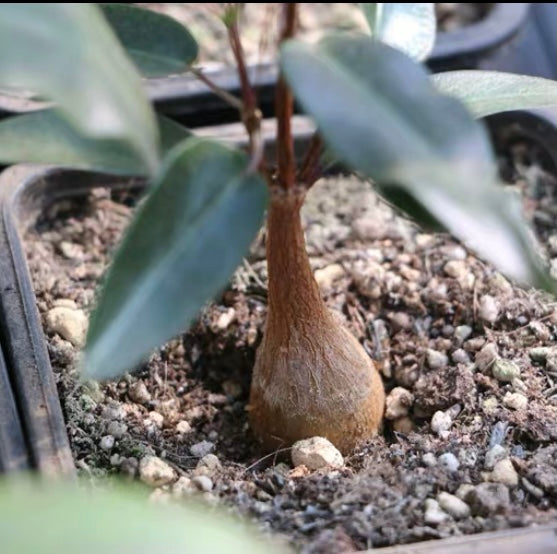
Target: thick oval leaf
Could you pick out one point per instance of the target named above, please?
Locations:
(157, 44)
(490, 92)
(408, 27)
(46, 137)
(65, 518)
(391, 124)
(68, 54)
(183, 245)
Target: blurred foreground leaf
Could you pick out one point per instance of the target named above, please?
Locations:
(392, 125)
(157, 44)
(46, 137)
(184, 243)
(490, 92)
(37, 517)
(408, 27)
(68, 54)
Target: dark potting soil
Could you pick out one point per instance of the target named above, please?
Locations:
(259, 21)
(440, 323)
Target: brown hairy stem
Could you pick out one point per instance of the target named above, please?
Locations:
(311, 376)
(311, 169)
(284, 107)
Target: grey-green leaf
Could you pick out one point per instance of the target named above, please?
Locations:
(183, 245)
(46, 137)
(490, 92)
(392, 125)
(157, 44)
(51, 519)
(68, 54)
(408, 27)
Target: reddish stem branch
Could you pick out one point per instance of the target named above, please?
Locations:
(226, 96)
(251, 115)
(284, 107)
(248, 94)
(311, 167)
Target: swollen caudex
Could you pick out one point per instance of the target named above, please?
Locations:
(311, 376)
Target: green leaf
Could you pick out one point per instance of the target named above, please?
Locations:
(490, 92)
(408, 27)
(183, 245)
(46, 137)
(68, 54)
(50, 519)
(157, 44)
(392, 125)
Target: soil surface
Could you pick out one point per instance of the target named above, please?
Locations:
(259, 23)
(475, 355)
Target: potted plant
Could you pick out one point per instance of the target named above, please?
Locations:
(202, 186)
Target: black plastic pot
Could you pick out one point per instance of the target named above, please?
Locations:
(32, 428)
(477, 46)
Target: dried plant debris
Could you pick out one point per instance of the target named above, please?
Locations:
(469, 359)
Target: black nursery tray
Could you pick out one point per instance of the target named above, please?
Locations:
(475, 46)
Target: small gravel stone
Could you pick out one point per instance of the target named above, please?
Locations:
(183, 427)
(201, 449)
(68, 323)
(156, 419)
(460, 356)
(540, 353)
(429, 459)
(316, 453)
(203, 483)
(117, 429)
(328, 275)
(515, 400)
(183, 487)
(489, 309)
(453, 505)
(226, 318)
(436, 359)
(449, 462)
(398, 403)
(504, 472)
(434, 515)
(441, 423)
(494, 455)
(64, 303)
(403, 425)
(155, 472)
(209, 462)
(486, 357)
(463, 490)
(488, 499)
(139, 393)
(490, 404)
(462, 333)
(107, 442)
(457, 269)
(128, 466)
(505, 370)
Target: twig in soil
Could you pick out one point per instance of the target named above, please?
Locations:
(253, 274)
(275, 454)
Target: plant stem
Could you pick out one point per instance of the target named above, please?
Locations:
(284, 107)
(311, 167)
(226, 96)
(251, 114)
